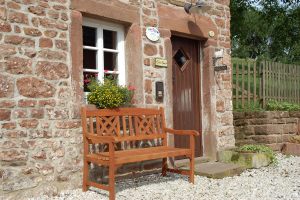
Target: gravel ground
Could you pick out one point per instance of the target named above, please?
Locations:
(273, 182)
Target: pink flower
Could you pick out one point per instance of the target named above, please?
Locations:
(86, 81)
(131, 88)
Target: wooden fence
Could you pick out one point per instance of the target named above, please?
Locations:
(255, 83)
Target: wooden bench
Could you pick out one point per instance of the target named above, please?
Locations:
(119, 136)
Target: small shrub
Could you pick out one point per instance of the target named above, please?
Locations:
(252, 148)
(108, 94)
(282, 106)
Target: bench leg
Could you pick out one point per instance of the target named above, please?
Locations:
(112, 194)
(164, 167)
(192, 168)
(85, 176)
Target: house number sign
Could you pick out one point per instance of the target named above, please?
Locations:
(152, 34)
(161, 62)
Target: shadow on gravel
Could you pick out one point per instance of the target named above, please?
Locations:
(131, 183)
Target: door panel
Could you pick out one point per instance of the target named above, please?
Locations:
(186, 90)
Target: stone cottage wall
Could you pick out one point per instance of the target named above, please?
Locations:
(40, 135)
(270, 128)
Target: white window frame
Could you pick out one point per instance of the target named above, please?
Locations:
(120, 49)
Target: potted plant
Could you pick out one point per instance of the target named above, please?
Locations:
(108, 94)
(249, 156)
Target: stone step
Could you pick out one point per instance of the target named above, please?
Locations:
(217, 170)
(185, 162)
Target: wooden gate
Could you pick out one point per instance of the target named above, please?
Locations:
(186, 89)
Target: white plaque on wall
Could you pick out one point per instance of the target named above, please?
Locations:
(152, 34)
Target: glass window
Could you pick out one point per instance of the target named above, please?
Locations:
(89, 36)
(110, 61)
(103, 51)
(89, 59)
(109, 39)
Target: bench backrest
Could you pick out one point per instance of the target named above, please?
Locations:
(126, 124)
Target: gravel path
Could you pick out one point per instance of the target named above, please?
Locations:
(279, 182)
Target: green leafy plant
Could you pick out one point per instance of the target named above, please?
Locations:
(254, 107)
(253, 148)
(282, 106)
(108, 94)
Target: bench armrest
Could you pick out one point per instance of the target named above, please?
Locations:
(182, 132)
(100, 139)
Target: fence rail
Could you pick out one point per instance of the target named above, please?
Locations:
(255, 83)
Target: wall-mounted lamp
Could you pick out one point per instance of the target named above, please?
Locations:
(190, 8)
(219, 54)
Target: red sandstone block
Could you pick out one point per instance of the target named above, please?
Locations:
(68, 124)
(17, 65)
(35, 88)
(32, 32)
(37, 10)
(291, 149)
(7, 104)
(9, 125)
(29, 123)
(150, 49)
(5, 114)
(27, 103)
(13, 155)
(18, 17)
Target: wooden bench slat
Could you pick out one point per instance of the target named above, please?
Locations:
(158, 123)
(124, 125)
(91, 125)
(98, 126)
(179, 171)
(137, 155)
(130, 125)
(117, 123)
(96, 159)
(97, 185)
(139, 137)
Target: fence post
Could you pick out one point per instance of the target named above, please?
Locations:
(254, 81)
(262, 84)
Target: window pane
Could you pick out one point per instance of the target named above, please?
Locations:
(110, 61)
(109, 39)
(89, 59)
(89, 36)
(87, 76)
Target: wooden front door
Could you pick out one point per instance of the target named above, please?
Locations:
(186, 90)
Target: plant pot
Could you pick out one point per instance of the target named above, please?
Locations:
(245, 159)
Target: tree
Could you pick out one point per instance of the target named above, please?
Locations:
(266, 29)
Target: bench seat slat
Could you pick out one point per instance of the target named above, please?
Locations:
(136, 155)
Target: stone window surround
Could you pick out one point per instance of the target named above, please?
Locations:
(187, 27)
